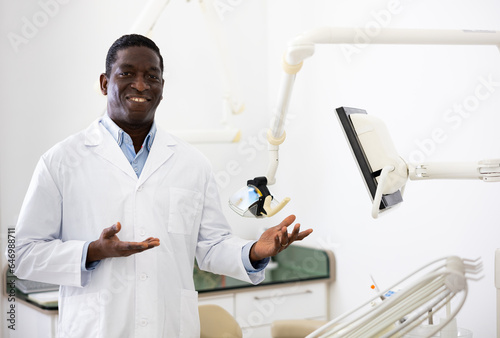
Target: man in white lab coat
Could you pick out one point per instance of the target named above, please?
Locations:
(116, 281)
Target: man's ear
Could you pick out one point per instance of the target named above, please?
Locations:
(162, 87)
(103, 80)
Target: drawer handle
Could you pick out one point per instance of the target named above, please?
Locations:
(283, 295)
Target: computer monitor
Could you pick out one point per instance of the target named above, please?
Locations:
(369, 175)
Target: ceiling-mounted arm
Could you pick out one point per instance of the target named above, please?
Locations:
(297, 52)
(232, 99)
(146, 21)
(303, 47)
(231, 103)
(386, 173)
(486, 170)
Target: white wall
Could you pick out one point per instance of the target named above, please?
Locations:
(411, 88)
(48, 93)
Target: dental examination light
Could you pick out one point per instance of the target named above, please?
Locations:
(255, 200)
(421, 297)
(384, 172)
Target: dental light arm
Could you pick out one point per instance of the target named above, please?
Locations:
(486, 170)
(231, 103)
(146, 21)
(385, 173)
(303, 46)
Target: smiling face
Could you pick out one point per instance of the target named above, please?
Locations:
(134, 87)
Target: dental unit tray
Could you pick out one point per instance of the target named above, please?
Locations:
(424, 294)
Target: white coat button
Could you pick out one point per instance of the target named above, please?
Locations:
(143, 276)
(142, 232)
(140, 188)
(144, 322)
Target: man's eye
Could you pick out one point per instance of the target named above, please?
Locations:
(154, 77)
(124, 74)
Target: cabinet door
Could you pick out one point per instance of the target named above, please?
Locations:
(262, 307)
(33, 323)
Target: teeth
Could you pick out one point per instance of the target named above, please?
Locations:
(138, 99)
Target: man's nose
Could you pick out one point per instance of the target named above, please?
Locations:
(140, 84)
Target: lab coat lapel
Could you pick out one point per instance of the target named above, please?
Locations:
(104, 145)
(160, 152)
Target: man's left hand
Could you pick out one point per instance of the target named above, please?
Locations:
(277, 239)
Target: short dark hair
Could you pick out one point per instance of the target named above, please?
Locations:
(126, 41)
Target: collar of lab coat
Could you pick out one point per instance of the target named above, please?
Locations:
(104, 145)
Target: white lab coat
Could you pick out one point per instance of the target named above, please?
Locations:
(85, 184)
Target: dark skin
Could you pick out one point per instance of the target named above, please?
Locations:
(134, 88)
(276, 239)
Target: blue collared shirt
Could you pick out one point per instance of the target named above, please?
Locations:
(137, 161)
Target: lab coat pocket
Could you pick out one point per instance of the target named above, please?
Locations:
(79, 316)
(190, 320)
(184, 210)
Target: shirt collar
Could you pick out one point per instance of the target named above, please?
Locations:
(118, 132)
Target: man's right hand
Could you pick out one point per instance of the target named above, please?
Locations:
(108, 245)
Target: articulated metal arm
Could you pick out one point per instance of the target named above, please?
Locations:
(486, 170)
(303, 46)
